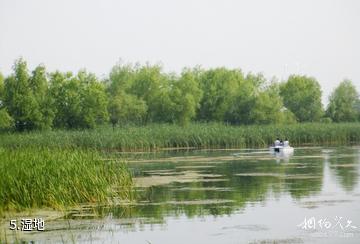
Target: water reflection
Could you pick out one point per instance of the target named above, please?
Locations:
(193, 188)
(221, 187)
(346, 168)
(245, 181)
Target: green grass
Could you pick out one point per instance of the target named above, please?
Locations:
(214, 135)
(58, 177)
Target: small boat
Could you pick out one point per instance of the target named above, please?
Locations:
(281, 149)
(282, 152)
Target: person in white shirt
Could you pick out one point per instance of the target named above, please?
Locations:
(277, 142)
(286, 143)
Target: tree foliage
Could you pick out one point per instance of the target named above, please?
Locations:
(23, 97)
(140, 94)
(344, 103)
(243, 100)
(1, 89)
(124, 106)
(145, 94)
(79, 101)
(153, 86)
(220, 87)
(185, 96)
(267, 107)
(302, 96)
(6, 121)
(40, 88)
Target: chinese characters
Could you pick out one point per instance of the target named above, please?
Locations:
(325, 223)
(28, 224)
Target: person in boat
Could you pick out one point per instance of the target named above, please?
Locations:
(281, 143)
(286, 143)
(277, 142)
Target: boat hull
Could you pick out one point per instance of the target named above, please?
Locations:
(279, 149)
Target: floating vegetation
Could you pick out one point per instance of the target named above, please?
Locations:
(247, 227)
(195, 167)
(200, 202)
(344, 165)
(204, 189)
(282, 176)
(187, 176)
(259, 174)
(321, 203)
(278, 241)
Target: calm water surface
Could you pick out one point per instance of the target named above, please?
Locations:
(220, 196)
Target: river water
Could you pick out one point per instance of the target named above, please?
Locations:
(227, 196)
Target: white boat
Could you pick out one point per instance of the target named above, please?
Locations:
(282, 153)
(281, 149)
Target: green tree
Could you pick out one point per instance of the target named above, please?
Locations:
(80, 101)
(21, 101)
(121, 78)
(6, 121)
(343, 103)
(287, 117)
(153, 87)
(302, 96)
(185, 96)
(1, 89)
(243, 100)
(268, 107)
(220, 87)
(124, 107)
(65, 90)
(40, 88)
(94, 100)
(357, 107)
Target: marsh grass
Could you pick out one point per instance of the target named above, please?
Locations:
(196, 135)
(58, 177)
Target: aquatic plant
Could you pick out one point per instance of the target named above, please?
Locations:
(59, 177)
(198, 135)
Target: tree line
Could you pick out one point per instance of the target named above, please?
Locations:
(141, 94)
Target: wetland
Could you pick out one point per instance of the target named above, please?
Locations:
(227, 196)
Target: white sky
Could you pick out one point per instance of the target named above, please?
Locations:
(320, 38)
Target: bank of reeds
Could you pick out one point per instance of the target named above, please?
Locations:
(58, 177)
(199, 135)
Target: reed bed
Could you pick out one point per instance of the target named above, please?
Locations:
(198, 135)
(57, 178)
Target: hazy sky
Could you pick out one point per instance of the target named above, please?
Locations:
(320, 38)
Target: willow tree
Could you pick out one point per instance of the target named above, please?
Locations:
(185, 96)
(126, 108)
(124, 105)
(344, 103)
(243, 101)
(80, 101)
(40, 87)
(268, 107)
(23, 97)
(219, 87)
(153, 87)
(6, 121)
(1, 88)
(302, 96)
